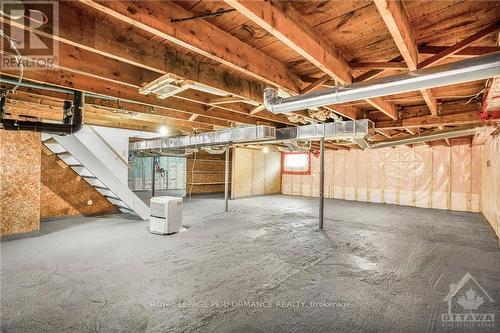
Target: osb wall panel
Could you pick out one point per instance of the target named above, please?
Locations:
(65, 193)
(431, 177)
(19, 182)
(490, 186)
(205, 173)
(255, 173)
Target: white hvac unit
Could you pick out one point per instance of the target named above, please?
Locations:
(166, 215)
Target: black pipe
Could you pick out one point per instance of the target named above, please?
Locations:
(72, 122)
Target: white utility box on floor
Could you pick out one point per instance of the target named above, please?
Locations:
(166, 215)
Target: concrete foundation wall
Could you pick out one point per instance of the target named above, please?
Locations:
(430, 177)
(255, 173)
(490, 189)
(19, 182)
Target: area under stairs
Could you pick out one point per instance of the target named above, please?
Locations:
(80, 156)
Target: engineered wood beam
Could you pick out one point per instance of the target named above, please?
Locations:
(200, 37)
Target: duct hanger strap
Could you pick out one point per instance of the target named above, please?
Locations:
(468, 70)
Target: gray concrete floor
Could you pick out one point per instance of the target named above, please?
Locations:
(376, 268)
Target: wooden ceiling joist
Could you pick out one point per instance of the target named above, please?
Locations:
(200, 37)
(99, 67)
(431, 121)
(460, 45)
(81, 82)
(288, 26)
(470, 51)
(396, 19)
(284, 23)
(80, 29)
(24, 105)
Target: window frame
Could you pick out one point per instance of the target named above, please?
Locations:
(289, 172)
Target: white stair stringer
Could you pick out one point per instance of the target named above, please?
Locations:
(96, 172)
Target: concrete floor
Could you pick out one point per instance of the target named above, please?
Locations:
(377, 268)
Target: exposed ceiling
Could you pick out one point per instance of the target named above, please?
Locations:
(114, 48)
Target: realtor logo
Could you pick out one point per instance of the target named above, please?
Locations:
(27, 34)
(467, 305)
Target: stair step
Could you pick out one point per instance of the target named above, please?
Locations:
(50, 140)
(86, 148)
(63, 153)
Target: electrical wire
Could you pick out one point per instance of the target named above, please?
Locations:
(475, 96)
(20, 63)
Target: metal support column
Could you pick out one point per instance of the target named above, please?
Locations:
(226, 180)
(153, 174)
(322, 183)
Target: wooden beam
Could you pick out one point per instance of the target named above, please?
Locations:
(288, 26)
(371, 74)
(430, 100)
(349, 112)
(96, 66)
(385, 107)
(378, 65)
(77, 27)
(225, 100)
(121, 108)
(200, 37)
(396, 19)
(316, 84)
(431, 121)
(26, 106)
(383, 133)
(460, 45)
(258, 109)
(81, 82)
(469, 51)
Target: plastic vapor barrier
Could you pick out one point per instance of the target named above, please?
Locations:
(490, 189)
(438, 177)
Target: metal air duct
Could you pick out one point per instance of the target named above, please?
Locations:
(478, 68)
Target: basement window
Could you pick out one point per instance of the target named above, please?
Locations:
(296, 163)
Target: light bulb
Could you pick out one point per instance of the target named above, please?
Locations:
(163, 131)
